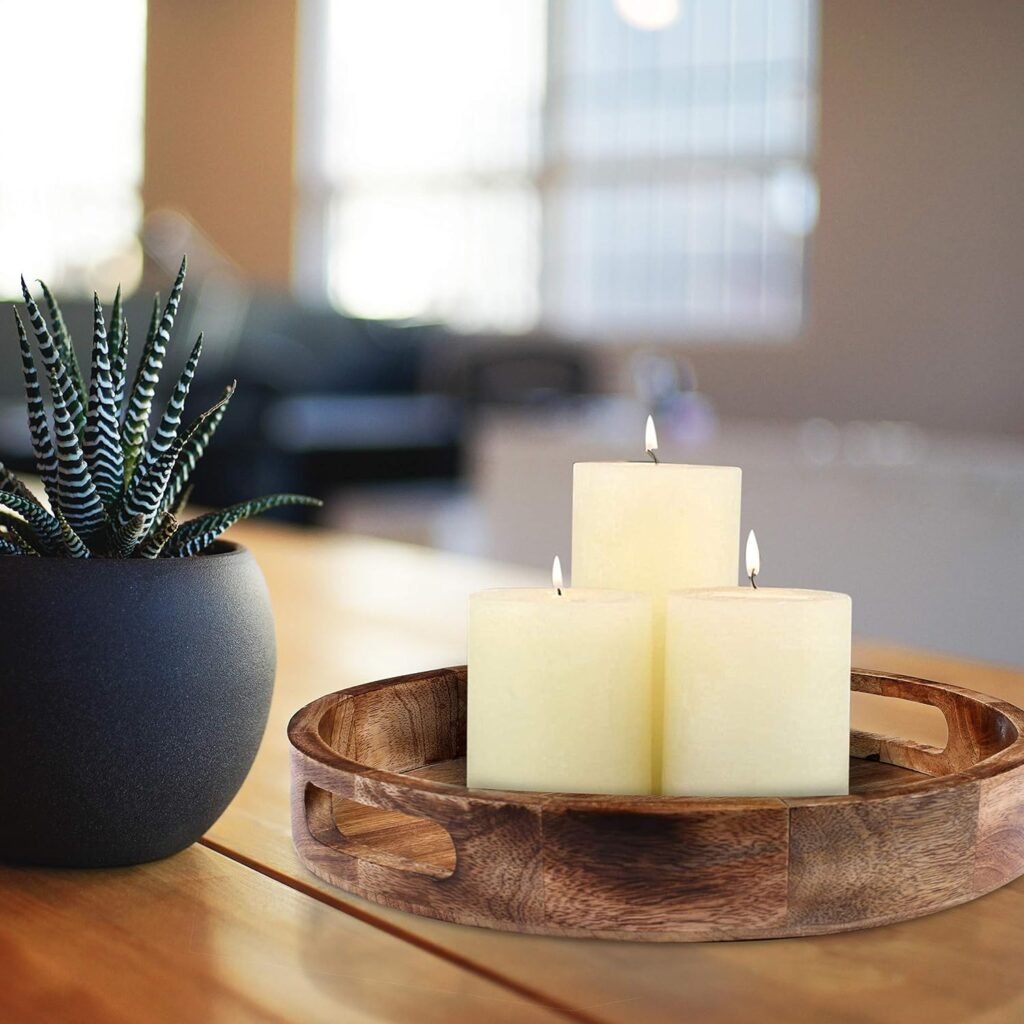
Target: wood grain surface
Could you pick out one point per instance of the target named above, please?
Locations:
(349, 610)
(200, 938)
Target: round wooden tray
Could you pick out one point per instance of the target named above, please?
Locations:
(380, 809)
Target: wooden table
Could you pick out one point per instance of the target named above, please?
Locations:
(235, 929)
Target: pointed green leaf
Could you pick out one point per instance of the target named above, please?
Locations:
(39, 428)
(9, 481)
(199, 435)
(127, 536)
(62, 386)
(118, 373)
(19, 525)
(167, 431)
(146, 491)
(73, 544)
(154, 320)
(45, 525)
(19, 533)
(116, 326)
(140, 400)
(192, 537)
(63, 338)
(76, 493)
(102, 448)
(154, 544)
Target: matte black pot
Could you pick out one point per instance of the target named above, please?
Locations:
(133, 696)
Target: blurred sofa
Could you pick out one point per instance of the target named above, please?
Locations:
(325, 401)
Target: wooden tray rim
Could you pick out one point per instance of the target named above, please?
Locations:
(304, 736)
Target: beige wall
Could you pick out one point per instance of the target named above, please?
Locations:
(220, 87)
(917, 270)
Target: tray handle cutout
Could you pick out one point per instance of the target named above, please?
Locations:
(923, 724)
(975, 729)
(387, 838)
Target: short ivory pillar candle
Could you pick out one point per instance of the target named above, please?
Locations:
(757, 693)
(655, 527)
(559, 692)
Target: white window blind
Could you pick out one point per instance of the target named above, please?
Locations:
(503, 164)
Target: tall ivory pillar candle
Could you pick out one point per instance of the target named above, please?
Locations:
(757, 693)
(655, 527)
(559, 691)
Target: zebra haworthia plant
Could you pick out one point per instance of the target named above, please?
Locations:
(113, 489)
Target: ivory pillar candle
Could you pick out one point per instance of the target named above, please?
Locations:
(757, 693)
(655, 527)
(559, 691)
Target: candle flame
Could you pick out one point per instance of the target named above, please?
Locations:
(650, 437)
(556, 574)
(753, 556)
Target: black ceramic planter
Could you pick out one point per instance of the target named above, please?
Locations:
(133, 696)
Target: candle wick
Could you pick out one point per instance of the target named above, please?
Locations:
(651, 452)
(559, 591)
(753, 580)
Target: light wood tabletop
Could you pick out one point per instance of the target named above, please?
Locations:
(235, 929)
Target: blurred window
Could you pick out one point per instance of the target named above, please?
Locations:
(508, 163)
(72, 82)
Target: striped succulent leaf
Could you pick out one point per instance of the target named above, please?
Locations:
(160, 535)
(140, 399)
(154, 320)
(118, 373)
(113, 490)
(199, 435)
(62, 387)
(167, 431)
(10, 482)
(23, 546)
(154, 325)
(116, 326)
(38, 541)
(19, 533)
(46, 527)
(39, 428)
(73, 544)
(197, 534)
(8, 547)
(76, 492)
(146, 490)
(118, 357)
(102, 448)
(125, 538)
(63, 339)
